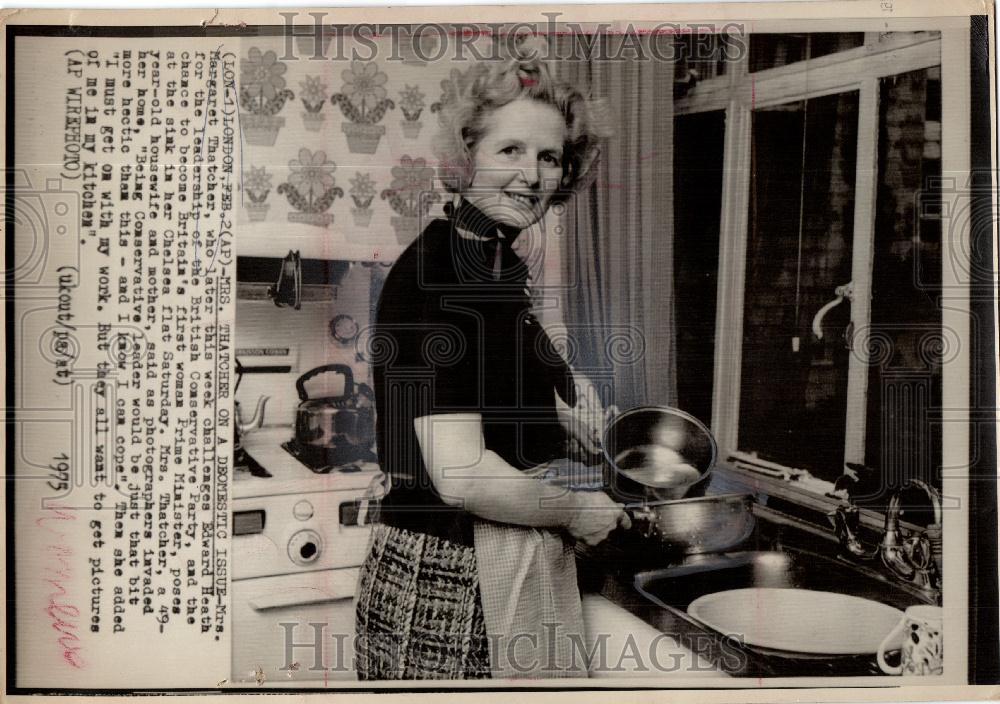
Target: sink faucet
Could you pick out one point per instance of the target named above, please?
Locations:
(917, 558)
(846, 519)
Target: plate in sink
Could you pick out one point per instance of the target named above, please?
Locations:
(798, 620)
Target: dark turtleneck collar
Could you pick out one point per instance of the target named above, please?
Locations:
(488, 257)
(470, 218)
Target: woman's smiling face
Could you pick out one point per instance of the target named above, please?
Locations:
(518, 162)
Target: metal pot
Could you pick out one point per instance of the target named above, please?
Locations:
(700, 525)
(632, 439)
(671, 507)
(335, 422)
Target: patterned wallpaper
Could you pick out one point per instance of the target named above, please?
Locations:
(339, 148)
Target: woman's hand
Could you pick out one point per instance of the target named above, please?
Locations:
(596, 516)
(584, 424)
(483, 483)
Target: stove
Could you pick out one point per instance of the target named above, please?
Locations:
(301, 527)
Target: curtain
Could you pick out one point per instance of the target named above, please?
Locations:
(617, 253)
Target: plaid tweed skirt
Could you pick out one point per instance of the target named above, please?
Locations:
(419, 609)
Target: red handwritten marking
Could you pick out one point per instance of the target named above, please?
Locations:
(63, 616)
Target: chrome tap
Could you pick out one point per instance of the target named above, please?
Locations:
(846, 519)
(917, 558)
(846, 522)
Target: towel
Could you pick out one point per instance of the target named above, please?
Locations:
(531, 602)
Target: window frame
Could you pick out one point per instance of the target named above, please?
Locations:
(738, 93)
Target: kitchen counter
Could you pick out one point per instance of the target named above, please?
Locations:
(627, 634)
(609, 572)
(625, 645)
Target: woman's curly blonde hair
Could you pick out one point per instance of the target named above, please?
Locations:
(471, 96)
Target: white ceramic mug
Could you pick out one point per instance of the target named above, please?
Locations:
(922, 651)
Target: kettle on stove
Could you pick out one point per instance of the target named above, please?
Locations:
(339, 425)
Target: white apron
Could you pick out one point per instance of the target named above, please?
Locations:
(531, 602)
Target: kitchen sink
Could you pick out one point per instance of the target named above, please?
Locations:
(675, 588)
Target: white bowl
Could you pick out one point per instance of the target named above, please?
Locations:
(798, 620)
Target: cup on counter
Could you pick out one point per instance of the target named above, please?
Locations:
(922, 650)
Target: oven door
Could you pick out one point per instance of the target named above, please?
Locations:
(295, 627)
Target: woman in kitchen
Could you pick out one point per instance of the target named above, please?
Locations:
(473, 401)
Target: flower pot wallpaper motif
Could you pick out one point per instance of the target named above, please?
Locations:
(364, 103)
(262, 96)
(410, 195)
(256, 185)
(455, 85)
(311, 189)
(411, 103)
(313, 97)
(362, 192)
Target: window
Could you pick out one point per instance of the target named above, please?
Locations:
(774, 50)
(793, 386)
(907, 340)
(707, 54)
(833, 150)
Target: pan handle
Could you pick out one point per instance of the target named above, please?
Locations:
(643, 519)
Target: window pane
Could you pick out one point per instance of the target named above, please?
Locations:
(706, 54)
(774, 50)
(793, 386)
(823, 43)
(698, 153)
(904, 383)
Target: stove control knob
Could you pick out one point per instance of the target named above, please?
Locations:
(305, 547)
(303, 510)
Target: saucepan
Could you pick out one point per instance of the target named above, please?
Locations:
(658, 461)
(657, 453)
